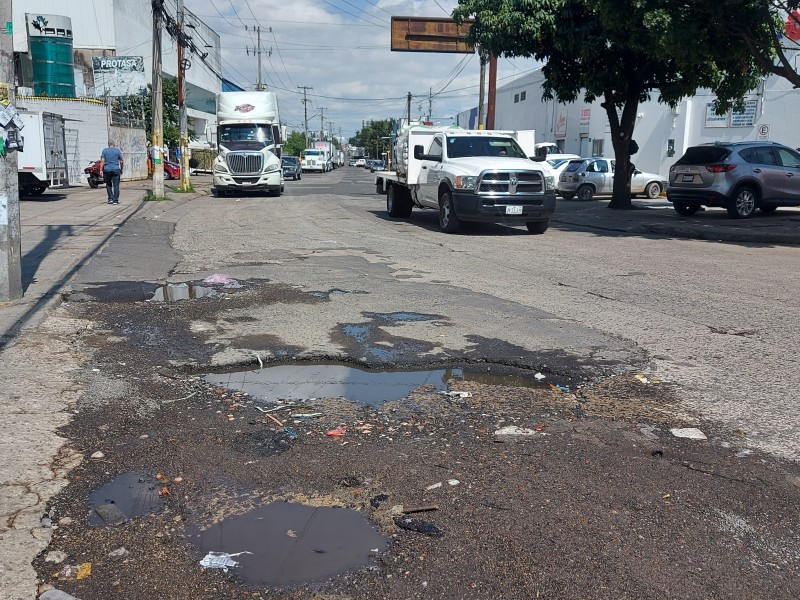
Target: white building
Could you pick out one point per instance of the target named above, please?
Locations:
(662, 133)
(109, 28)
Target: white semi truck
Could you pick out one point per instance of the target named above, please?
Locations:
(479, 176)
(330, 153)
(249, 138)
(42, 162)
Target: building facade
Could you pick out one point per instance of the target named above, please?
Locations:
(662, 133)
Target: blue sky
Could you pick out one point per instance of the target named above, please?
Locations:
(341, 48)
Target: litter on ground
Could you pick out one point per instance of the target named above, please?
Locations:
(220, 560)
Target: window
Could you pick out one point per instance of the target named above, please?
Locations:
(597, 147)
(522, 96)
(789, 158)
(516, 98)
(436, 147)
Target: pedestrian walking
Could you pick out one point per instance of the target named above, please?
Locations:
(111, 163)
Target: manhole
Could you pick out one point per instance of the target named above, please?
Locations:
(129, 495)
(172, 292)
(368, 387)
(285, 544)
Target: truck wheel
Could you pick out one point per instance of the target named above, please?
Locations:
(39, 190)
(221, 193)
(448, 219)
(585, 193)
(538, 226)
(567, 195)
(398, 202)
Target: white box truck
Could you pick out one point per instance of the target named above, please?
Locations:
(329, 149)
(249, 143)
(42, 163)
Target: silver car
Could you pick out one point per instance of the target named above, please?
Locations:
(587, 177)
(738, 176)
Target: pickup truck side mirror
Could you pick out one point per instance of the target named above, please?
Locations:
(418, 152)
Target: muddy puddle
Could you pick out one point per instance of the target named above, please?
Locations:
(285, 544)
(123, 498)
(172, 292)
(363, 386)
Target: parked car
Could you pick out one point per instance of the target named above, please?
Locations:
(559, 164)
(361, 162)
(377, 165)
(172, 170)
(352, 162)
(586, 177)
(738, 176)
(292, 167)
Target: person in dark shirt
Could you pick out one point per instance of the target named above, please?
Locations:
(111, 163)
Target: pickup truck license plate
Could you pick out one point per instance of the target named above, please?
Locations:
(688, 178)
(513, 210)
(246, 183)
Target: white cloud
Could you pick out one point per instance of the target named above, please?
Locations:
(341, 48)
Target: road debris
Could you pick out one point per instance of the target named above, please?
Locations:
(407, 510)
(110, 514)
(219, 279)
(539, 376)
(338, 432)
(434, 486)
(70, 572)
(513, 431)
(456, 394)
(419, 526)
(376, 501)
(98, 454)
(221, 560)
(691, 433)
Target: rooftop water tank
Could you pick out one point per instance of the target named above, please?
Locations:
(50, 38)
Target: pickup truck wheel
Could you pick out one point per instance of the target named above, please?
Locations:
(448, 219)
(585, 193)
(38, 190)
(398, 202)
(538, 226)
(653, 190)
(567, 195)
(221, 193)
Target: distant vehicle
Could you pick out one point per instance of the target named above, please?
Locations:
(291, 167)
(361, 162)
(559, 164)
(377, 165)
(352, 162)
(249, 134)
(586, 177)
(738, 176)
(42, 159)
(172, 170)
(315, 159)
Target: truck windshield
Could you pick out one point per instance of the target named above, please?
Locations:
(460, 147)
(313, 152)
(247, 132)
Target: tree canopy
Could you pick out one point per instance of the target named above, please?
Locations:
(370, 137)
(295, 144)
(618, 51)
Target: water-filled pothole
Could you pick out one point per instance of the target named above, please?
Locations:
(172, 292)
(129, 495)
(285, 544)
(364, 386)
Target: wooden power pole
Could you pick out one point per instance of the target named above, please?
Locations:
(183, 121)
(158, 102)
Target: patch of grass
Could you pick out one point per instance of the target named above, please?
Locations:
(154, 198)
(189, 190)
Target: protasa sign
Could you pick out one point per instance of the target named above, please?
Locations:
(430, 34)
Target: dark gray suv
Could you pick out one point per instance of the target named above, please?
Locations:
(738, 176)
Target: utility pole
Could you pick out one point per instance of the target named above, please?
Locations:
(305, 89)
(183, 64)
(408, 107)
(430, 103)
(158, 102)
(257, 51)
(322, 121)
(482, 91)
(10, 237)
(492, 92)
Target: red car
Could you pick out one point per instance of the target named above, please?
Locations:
(172, 170)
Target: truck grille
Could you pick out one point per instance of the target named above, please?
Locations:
(245, 162)
(511, 182)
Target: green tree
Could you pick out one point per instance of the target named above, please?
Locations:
(295, 144)
(760, 25)
(373, 137)
(169, 87)
(617, 51)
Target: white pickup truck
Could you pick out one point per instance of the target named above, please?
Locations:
(466, 175)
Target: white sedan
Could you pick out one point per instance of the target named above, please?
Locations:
(361, 162)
